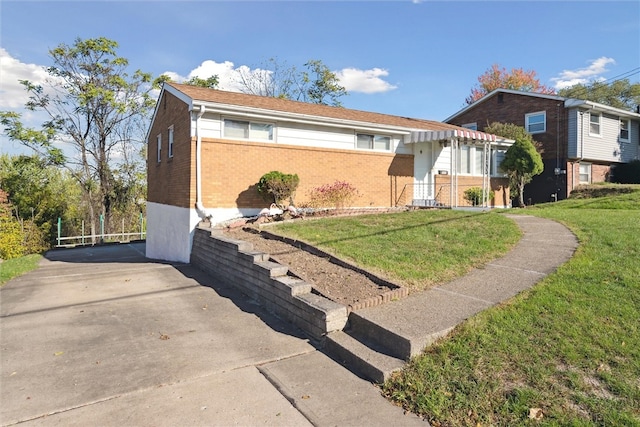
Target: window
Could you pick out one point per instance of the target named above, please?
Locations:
(171, 142)
(594, 124)
(464, 160)
(373, 142)
(585, 173)
(159, 144)
(536, 122)
(472, 126)
(479, 161)
(498, 157)
(248, 130)
(624, 130)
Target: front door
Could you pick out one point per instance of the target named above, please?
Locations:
(422, 172)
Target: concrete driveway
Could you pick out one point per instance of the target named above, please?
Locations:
(104, 336)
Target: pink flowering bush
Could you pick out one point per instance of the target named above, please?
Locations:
(338, 195)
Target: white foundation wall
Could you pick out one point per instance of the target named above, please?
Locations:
(170, 232)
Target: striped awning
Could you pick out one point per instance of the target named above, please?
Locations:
(446, 135)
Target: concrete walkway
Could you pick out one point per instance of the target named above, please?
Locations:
(102, 336)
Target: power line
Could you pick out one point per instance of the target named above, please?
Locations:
(584, 88)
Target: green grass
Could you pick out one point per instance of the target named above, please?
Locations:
(418, 248)
(570, 346)
(18, 266)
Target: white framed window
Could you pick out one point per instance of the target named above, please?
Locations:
(624, 130)
(239, 129)
(497, 156)
(159, 146)
(472, 126)
(536, 122)
(585, 173)
(373, 142)
(170, 141)
(594, 123)
(464, 160)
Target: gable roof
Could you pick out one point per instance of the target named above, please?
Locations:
(568, 103)
(198, 95)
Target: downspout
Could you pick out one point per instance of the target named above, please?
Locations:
(200, 209)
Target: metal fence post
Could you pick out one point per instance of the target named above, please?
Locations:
(59, 229)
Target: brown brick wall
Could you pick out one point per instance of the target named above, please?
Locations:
(511, 108)
(172, 181)
(231, 170)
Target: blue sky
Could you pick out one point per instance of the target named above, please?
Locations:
(407, 58)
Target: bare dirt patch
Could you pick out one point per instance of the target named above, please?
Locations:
(338, 283)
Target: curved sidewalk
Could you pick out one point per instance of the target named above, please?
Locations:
(401, 329)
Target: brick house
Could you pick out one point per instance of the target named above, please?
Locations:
(582, 140)
(208, 148)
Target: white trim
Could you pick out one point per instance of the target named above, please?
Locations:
(628, 129)
(159, 148)
(599, 115)
(528, 116)
(170, 142)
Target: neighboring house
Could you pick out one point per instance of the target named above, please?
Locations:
(207, 149)
(582, 140)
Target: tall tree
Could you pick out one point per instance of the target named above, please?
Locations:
(96, 108)
(499, 78)
(521, 161)
(317, 84)
(619, 94)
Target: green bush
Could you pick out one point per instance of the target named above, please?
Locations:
(338, 195)
(275, 187)
(627, 173)
(474, 195)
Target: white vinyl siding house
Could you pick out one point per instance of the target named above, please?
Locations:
(604, 146)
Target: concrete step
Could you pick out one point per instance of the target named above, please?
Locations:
(379, 337)
(360, 357)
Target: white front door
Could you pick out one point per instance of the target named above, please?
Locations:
(422, 171)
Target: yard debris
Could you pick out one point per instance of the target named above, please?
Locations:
(535, 413)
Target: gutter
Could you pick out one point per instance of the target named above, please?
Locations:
(200, 209)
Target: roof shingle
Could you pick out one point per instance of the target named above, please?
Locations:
(297, 107)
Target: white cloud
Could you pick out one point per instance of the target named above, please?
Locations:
(227, 74)
(365, 81)
(12, 93)
(353, 79)
(590, 73)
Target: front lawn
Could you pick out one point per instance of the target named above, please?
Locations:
(417, 248)
(567, 352)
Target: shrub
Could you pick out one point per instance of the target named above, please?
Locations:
(338, 195)
(474, 195)
(276, 186)
(627, 173)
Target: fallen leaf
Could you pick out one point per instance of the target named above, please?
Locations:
(164, 337)
(306, 396)
(58, 353)
(535, 413)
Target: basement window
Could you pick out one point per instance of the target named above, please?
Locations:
(239, 129)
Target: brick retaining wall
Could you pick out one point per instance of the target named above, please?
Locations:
(235, 262)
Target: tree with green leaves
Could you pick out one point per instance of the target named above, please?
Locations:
(96, 108)
(499, 78)
(317, 84)
(521, 161)
(618, 94)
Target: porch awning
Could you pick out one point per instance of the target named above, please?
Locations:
(446, 135)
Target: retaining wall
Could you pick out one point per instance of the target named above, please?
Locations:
(236, 263)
